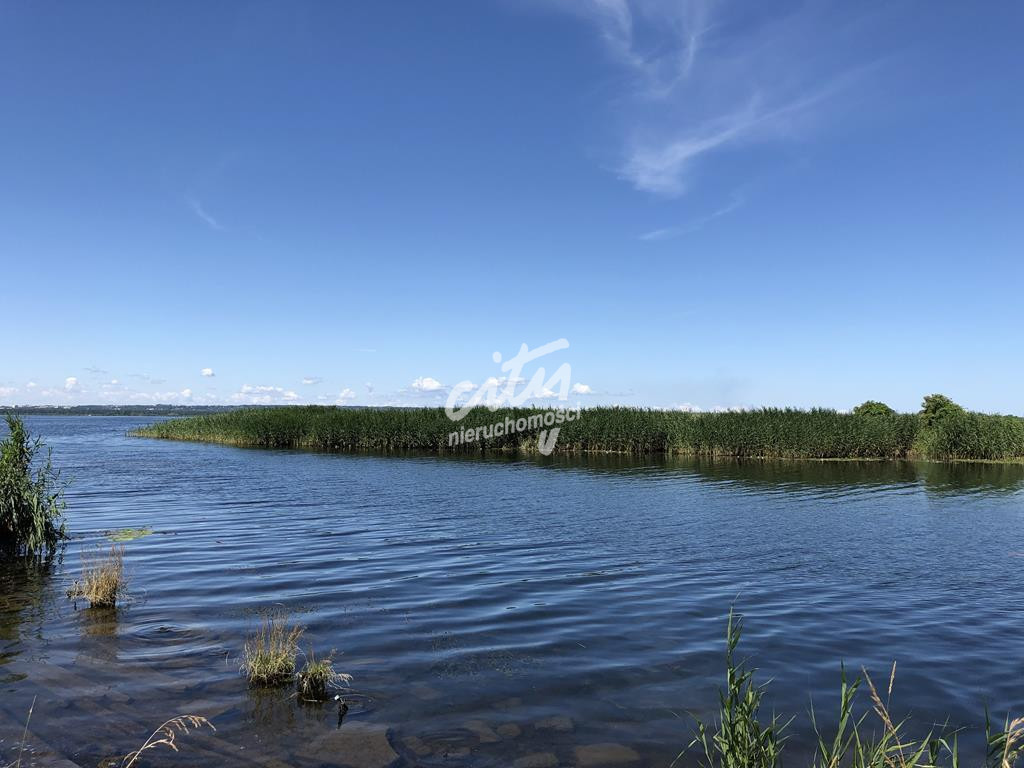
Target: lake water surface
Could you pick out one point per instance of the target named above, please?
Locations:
(493, 609)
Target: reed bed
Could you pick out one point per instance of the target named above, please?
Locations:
(763, 433)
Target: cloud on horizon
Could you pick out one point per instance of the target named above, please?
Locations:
(427, 384)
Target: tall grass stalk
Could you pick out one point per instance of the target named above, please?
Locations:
(166, 735)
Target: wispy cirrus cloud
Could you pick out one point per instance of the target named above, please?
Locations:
(668, 233)
(706, 76)
(207, 218)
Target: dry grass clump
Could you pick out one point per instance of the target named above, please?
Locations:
(103, 580)
(318, 676)
(269, 657)
(166, 736)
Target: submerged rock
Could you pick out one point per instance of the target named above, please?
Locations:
(537, 760)
(354, 745)
(558, 723)
(426, 693)
(482, 731)
(606, 755)
(417, 746)
(509, 731)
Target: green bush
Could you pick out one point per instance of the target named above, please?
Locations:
(937, 408)
(873, 408)
(31, 501)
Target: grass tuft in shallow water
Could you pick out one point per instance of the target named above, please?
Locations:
(103, 580)
(269, 655)
(318, 677)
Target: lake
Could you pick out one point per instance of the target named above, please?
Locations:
(492, 610)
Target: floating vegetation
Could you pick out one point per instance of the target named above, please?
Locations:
(318, 678)
(31, 502)
(738, 738)
(128, 534)
(103, 581)
(941, 431)
(269, 656)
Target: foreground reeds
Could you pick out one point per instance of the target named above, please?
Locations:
(31, 495)
(103, 581)
(871, 739)
(941, 431)
(269, 655)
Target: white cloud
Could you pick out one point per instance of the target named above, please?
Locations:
(427, 384)
(198, 210)
(71, 384)
(667, 233)
(581, 389)
(686, 408)
(309, 380)
(31, 385)
(699, 81)
(208, 372)
(259, 394)
(186, 393)
(8, 391)
(345, 396)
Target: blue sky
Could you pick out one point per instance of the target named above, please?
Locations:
(716, 204)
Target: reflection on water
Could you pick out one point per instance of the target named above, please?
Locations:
(777, 475)
(25, 593)
(571, 609)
